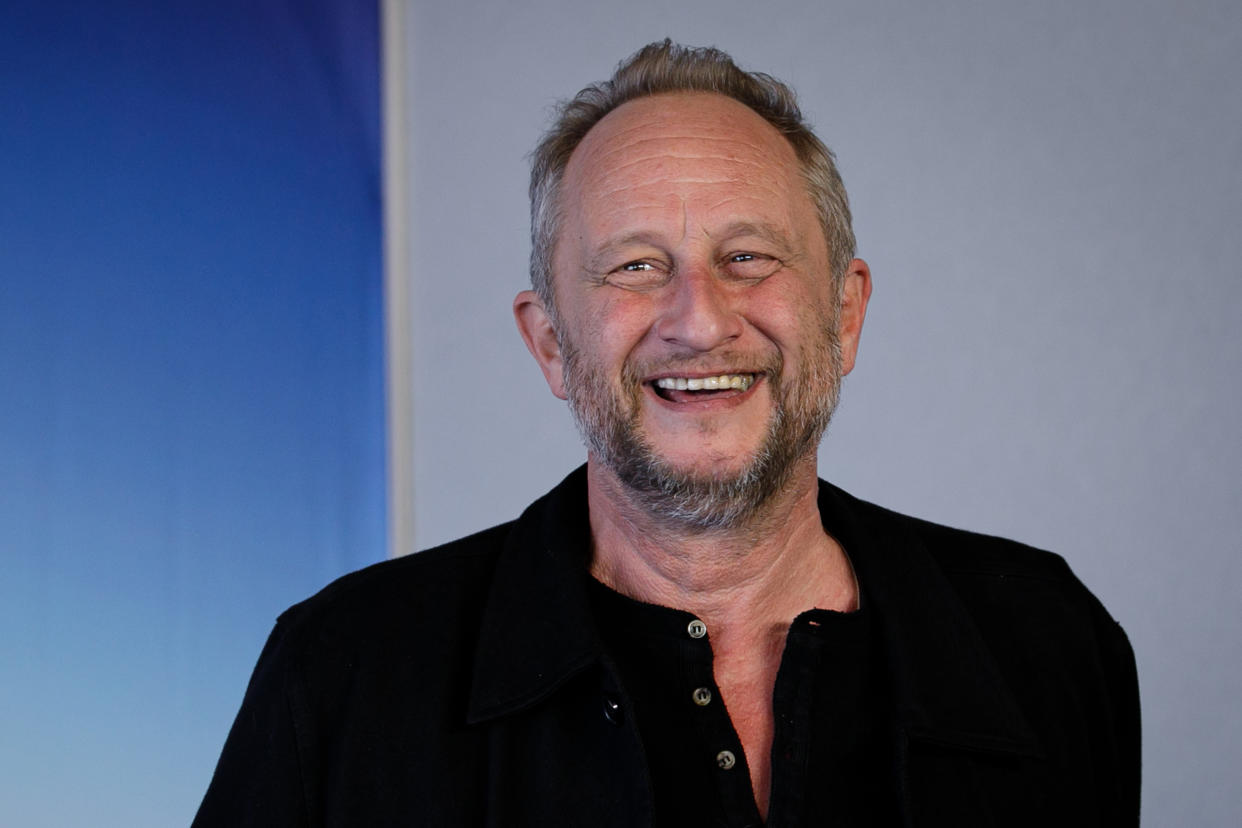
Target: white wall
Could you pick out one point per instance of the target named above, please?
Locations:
(1049, 197)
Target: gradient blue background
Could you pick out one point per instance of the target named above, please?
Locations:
(191, 399)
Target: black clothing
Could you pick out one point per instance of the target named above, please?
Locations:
(833, 747)
(467, 685)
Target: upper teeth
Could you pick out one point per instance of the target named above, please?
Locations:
(739, 381)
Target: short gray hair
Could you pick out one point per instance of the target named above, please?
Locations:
(669, 67)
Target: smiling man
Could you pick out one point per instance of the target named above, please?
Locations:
(697, 325)
(692, 629)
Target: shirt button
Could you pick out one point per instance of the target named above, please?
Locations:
(725, 759)
(702, 697)
(612, 710)
(696, 628)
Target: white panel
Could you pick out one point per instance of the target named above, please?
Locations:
(1049, 197)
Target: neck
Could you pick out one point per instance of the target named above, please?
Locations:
(746, 582)
(756, 574)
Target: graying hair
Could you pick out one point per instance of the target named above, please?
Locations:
(666, 67)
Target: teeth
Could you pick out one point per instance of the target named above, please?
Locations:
(739, 381)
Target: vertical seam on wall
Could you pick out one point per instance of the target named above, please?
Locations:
(398, 327)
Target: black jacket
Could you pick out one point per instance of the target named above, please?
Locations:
(466, 685)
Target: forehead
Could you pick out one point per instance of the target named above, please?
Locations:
(684, 147)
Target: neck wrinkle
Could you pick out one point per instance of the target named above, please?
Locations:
(758, 576)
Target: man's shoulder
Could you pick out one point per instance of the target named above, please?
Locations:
(958, 550)
(435, 600)
(430, 586)
(985, 571)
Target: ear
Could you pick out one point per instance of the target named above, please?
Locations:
(855, 293)
(536, 328)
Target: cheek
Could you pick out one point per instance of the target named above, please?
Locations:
(789, 311)
(617, 326)
(821, 314)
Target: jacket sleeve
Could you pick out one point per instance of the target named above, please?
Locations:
(1126, 721)
(259, 778)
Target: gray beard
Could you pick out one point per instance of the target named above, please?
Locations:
(610, 427)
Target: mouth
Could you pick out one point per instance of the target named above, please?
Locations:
(690, 389)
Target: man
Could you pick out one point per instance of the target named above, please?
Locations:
(692, 629)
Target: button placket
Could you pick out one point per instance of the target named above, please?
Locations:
(702, 696)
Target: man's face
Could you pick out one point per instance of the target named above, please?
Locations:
(698, 321)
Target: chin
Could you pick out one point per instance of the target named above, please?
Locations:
(722, 470)
(703, 493)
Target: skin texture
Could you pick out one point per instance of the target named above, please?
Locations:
(690, 247)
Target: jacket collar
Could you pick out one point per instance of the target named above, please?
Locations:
(537, 629)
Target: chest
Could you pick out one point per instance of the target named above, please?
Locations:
(732, 743)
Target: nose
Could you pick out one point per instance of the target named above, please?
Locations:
(698, 312)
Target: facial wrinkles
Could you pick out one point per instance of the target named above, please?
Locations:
(609, 419)
(624, 177)
(606, 158)
(688, 232)
(657, 140)
(706, 191)
(647, 185)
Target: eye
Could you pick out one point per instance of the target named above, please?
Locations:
(638, 275)
(750, 266)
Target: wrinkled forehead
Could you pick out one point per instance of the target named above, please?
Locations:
(692, 138)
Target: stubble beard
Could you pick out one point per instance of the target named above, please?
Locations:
(609, 422)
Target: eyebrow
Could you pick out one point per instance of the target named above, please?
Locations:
(600, 258)
(769, 232)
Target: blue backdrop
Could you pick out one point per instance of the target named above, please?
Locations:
(191, 400)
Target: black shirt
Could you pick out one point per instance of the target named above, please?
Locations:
(831, 757)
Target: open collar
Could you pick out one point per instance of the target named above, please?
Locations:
(537, 628)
